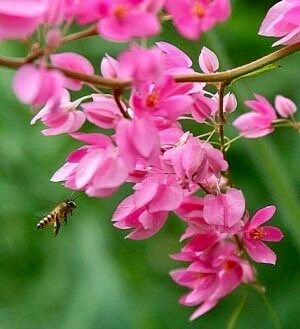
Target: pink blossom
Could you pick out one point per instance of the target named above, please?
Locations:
(96, 168)
(168, 99)
(126, 19)
(283, 21)
(73, 62)
(208, 61)
(137, 140)
(204, 107)
(229, 103)
(211, 276)
(85, 12)
(109, 67)
(174, 59)
(192, 17)
(18, 19)
(224, 210)
(147, 209)
(257, 123)
(284, 106)
(254, 234)
(193, 161)
(60, 118)
(141, 65)
(37, 86)
(102, 112)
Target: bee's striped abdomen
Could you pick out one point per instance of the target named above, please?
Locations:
(49, 219)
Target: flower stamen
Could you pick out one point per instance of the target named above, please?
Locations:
(257, 233)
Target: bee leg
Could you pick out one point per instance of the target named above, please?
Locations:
(56, 227)
(66, 219)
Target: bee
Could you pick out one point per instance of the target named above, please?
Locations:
(57, 215)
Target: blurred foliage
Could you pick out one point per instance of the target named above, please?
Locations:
(89, 276)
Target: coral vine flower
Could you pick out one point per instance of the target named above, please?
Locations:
(102, 112)
(257, 123)
(18, 19)
(224, 210)
(74, 62)
(175, 60)
(147, 209)
(37, 86)
(192, 17)
(168, 99)
(142, 65)
(96, 168)
(126, 19)
(283, 21)
(211, 276)
(193, 161)
(254, 234)
(60, 118)
(138, 140)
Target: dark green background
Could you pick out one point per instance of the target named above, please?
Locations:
(89, 277)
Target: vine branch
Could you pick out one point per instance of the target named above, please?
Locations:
(221, 77)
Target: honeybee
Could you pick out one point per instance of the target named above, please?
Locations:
(57, 215)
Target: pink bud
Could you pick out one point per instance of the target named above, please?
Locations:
(230, 103)
(284, 106)
(208, 61)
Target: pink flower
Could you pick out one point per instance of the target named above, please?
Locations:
(127, 19)
(18, 19)
(254, 234)
(283, 21)
(168, 100)
(60, 118)
(141, 65)
(257, 123)
(204, 107)
(85, 12)
(74, 62)
(137, 140)
(96, 168)
(208, 61)
(37, 86)
(284, 106)
(193, 161)
(211, 276)
(102, 112)
(147, 209)
(192, 17)
(224, 210)
(174, 59)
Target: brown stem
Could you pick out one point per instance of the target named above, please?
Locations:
(222, 117)
(37, 53)
(117, 93)
(225, 77)
(80, 35)
(230, 75)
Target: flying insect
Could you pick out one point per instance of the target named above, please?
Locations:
(57, 215)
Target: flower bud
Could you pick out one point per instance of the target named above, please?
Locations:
(208, 61)
(284, 106)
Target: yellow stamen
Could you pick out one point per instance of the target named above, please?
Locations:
(198, 9)
(152, 99)
(120, 11)
(257, 233)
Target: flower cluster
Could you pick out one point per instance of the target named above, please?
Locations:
(116, 20)
(142, 139)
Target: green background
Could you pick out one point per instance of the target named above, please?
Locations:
(89, 277)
